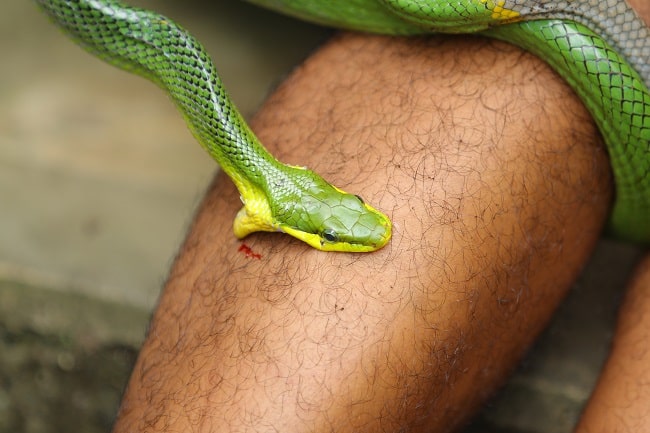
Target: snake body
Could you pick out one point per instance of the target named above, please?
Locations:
(601, 47)
(276, 197)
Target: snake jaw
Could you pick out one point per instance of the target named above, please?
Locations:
(318, 242)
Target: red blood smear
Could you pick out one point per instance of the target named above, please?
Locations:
(248, 252)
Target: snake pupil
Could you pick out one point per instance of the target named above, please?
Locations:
(360, 199)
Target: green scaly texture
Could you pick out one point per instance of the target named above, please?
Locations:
(276, 197)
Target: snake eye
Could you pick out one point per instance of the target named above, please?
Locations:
(330, 235)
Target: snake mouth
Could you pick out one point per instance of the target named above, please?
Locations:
(320, 243)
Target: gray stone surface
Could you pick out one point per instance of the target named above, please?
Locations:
(64, 359)
(98, 181)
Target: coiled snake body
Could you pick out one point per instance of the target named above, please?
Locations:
(601, 47)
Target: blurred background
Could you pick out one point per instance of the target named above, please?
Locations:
(99, 179)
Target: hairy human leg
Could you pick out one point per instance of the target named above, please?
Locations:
(497, 188)
(621, 400)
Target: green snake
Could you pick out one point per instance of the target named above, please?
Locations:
(601, 48)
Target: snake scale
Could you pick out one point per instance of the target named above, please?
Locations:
(600, 47)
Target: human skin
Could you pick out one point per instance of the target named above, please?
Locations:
(621, 400)
(498, 187)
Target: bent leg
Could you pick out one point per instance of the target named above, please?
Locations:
(497, 190)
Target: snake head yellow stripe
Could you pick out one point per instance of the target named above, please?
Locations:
(308, 208)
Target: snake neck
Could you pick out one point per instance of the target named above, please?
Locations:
(153, 46)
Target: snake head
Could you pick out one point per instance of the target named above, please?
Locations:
(308, 208)
(330, 219)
